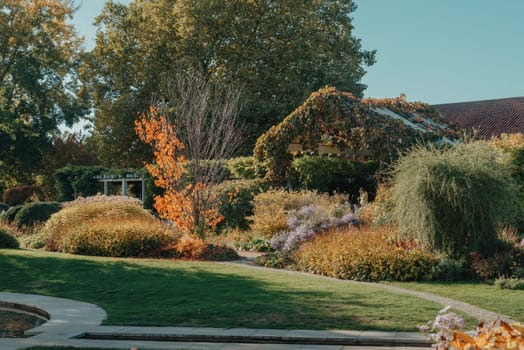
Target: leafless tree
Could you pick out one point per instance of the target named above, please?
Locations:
(206, 119)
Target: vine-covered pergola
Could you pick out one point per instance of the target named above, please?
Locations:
(343, 122)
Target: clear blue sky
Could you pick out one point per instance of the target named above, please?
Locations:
(435, 51)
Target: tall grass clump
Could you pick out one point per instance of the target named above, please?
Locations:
(107, 226)
(453, 199)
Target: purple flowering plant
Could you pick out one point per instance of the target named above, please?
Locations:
(307, 222)
(441, 329)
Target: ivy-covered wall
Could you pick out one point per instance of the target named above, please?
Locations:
(338, 119)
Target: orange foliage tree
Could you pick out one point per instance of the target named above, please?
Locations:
(188, 204)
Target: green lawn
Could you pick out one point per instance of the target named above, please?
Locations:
(175, 293)
(487, 296)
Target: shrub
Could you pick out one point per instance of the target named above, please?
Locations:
(504, 261)
(23, 194)
(33, 241)
(362, 254)
(307, 222)
(510, 283)
(3, 207)
(271, 208)
(449, 269)
(277, 260)
(35, 212)
(255, 245)
(237, 202)
(77, 180)
(247, 168)
(218, 253)
(9, 215)
(192, 247)
(453, 199)
(328, 174)
(7, 241)
(88, 226)
(132, 237)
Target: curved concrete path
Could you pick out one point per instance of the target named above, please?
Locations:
(71, 320)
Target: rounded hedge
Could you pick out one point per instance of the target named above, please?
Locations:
(107, 226)
(365, 255)
(3, 207)
(35, 212)
(133, 237)
(7, 241)
(9, 215)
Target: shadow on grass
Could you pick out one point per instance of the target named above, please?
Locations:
(170, 293)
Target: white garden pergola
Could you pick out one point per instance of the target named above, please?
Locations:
(124, 180)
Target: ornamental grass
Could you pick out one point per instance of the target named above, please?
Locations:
(110, 226)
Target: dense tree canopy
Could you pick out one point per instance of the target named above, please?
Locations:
(278, 51)
(38, 88)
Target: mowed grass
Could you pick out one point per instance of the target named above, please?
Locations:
(503, 301)
(176, 293)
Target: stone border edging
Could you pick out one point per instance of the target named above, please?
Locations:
(26, 308)
(66, 316)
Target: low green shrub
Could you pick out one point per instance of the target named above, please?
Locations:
(246, 168)
(255, 245)
(275, 260)
(449, 269)
(7, 241)
(510, 283)
(237, 202)
(365, 255)
(35, 212)
(9, 215)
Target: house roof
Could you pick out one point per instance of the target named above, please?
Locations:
(490, 117)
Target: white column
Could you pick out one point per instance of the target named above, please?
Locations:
(124, 187)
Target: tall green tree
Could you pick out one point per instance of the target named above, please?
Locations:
(278, 51)
(38, 85)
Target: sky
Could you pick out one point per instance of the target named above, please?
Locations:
(434, 51)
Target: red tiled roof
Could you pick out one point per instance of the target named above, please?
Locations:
(490, 117)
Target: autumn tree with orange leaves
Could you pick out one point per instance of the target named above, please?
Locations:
(187, 161)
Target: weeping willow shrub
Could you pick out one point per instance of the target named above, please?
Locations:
(454, 199)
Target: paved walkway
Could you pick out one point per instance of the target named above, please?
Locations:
(78, 324)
